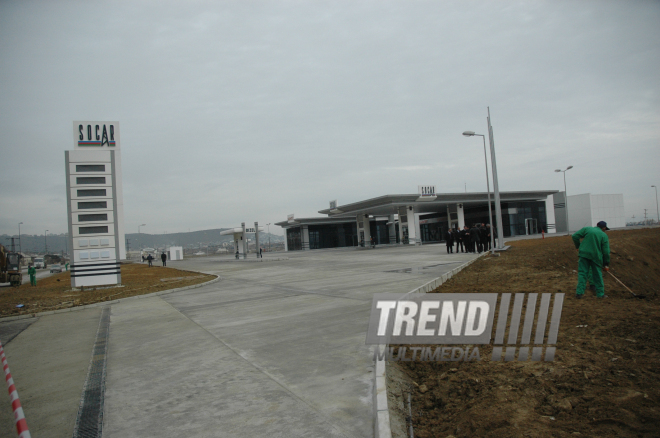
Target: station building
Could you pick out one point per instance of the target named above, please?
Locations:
(417, 219)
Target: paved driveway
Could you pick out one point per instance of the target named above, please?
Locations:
(273, 349)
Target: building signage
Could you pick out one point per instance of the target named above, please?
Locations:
(289, 217)
(333, 204)
(99, 134)
(95, 204)
(250, 230)
(426, 190)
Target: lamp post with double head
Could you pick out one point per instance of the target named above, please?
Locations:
(490, 213)
(568, 229)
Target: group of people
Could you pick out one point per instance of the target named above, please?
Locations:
(150, 259)
(475, 239)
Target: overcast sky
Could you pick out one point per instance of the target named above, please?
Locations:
(252, 110)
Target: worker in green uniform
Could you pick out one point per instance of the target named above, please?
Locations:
(594, 257)
(32, 271)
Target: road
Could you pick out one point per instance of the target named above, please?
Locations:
(273, 349)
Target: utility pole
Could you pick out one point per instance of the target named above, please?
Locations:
(646, 222)
(46, 241)
(20, 247)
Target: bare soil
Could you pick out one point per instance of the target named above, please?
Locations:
(605, 380)
(54, 292)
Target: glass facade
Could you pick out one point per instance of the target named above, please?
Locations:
(524, 218)
(433, 227)
(332, 235)
(518, 218)
(293, 241)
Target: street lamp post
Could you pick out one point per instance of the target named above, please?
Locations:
(268, 225)
(490, 213)
(568, 229)
(143, 225)
(46, 241)
(20, 248)
(657, 210)
(496, 187)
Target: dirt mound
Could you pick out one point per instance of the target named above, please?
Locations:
(605, 380)
(54, 292)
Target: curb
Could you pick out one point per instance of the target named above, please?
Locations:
(382, 427)
(104, 303)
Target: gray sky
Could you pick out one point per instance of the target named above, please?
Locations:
(251, 110)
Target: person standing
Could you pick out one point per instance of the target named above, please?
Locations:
(466, 238)
(475, 243)
(261, 252)
(484, 237)
(32, 272)
(480, 240)
(163, 257)
(150, 259)
(593, 257)
(449, 238)
(488, 231)
(454, 238)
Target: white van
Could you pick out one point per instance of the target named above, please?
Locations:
(39, 263)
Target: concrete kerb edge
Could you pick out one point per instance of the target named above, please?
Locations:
(105, 303)
(382, 427)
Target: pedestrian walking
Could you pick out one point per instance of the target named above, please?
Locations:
(163, 257)
(32, 272)
(593, 248)
(449, 238)
(143, 259)
(150, 259)
(261, 253)
(488, 231)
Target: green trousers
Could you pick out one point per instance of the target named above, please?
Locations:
(588, 270)
(33, 280)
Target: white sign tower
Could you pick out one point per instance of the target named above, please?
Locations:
(95, 204)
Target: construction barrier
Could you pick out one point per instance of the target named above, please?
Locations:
(19, 417)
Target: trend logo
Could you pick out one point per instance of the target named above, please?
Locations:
(450, 319)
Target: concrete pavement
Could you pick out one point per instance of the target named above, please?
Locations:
(273, 349)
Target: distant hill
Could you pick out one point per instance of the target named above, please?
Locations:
(35, 244)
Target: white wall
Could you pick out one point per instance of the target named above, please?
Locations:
(587, 210)
(608, 208)
(579, 212)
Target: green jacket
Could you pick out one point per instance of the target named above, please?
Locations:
(595, 245)
(32, 270)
